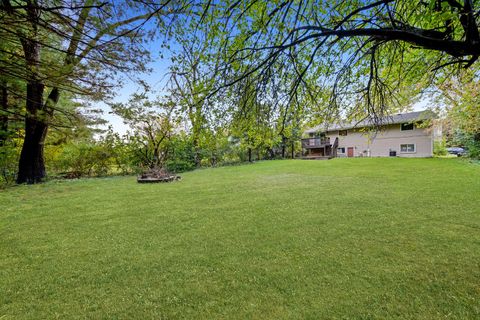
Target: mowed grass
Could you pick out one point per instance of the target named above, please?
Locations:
(338, 239)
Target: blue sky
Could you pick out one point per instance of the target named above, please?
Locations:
(156, 80)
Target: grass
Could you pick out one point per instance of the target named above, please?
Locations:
(338, 239)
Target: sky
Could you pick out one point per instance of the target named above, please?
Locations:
(156, 80)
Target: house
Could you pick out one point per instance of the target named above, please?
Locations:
(401, 135)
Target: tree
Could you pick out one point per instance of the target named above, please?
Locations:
(192, 76)
(153, 126)
(74, 46)
(373, 57)
(461, 99)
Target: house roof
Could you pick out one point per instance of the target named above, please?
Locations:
(391, 119)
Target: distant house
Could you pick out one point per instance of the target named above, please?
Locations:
(401, 135)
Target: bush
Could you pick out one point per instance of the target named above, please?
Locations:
(474, 149)
(181, 155)
(470, 141)
(82, 159)
(439, 148)
(9, 155)
(179, 165)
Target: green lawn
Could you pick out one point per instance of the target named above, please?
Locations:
(338, 239)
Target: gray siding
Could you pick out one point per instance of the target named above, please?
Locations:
(389, 138)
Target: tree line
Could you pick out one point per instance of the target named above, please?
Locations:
(248, 75)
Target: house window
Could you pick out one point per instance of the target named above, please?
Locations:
(342, 133)
(407, 148)
(341, 150)
(406, 126)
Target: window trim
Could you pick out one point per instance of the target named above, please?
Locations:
(401, 126)
(344, 150)
(407, 144)
(342, 135)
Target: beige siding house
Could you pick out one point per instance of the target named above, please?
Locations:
(401, 135)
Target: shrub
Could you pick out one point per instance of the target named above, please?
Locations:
(82, 159)
(179, 165)
(474, 149)
(439, 148)
(9, 155)
(181, 155)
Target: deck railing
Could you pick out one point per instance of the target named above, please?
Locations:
(315, 142)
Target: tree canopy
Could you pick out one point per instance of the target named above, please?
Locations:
(356, 58)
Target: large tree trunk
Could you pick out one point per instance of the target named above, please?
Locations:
(31, 167)
(271, 153)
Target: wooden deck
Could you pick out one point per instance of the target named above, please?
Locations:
(311, 143)
(319, 149)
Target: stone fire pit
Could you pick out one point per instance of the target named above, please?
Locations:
(157, 175)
